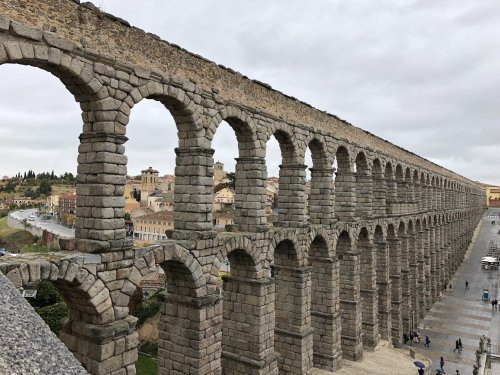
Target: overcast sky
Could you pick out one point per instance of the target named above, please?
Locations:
(424, 75)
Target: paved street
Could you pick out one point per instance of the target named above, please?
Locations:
(462, 313)
(49, 225)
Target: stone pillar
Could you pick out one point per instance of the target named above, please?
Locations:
(406, 306)
(410, 191)
(193, 193)
(369, 297)
(321, 197)
(345, 194)
(379, 189)
(293, 334)
(418, 195)
(414, 278)
(396, 291)
(392, 197)
(102, 170)
(384, 291)
(350, 306)
(189, 335)
(402, 193)
(109, 348)
(250, 198)
(292, 196)
(422, 264)
(430, 267)
(440, 271)
(425, 198)
(248, 327)
(325, 313)
(364, 194)
(436, 283)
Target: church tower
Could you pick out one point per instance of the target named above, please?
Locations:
(149, 178)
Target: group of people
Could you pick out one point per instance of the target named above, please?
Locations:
(494, 304)
(411, 337)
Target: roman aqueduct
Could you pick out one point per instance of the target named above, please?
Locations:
(382, 232)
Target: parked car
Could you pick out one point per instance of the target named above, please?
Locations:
(3, 251)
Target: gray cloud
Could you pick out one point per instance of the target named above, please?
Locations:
(421, 74)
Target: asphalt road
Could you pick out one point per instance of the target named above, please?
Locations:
(50, 225)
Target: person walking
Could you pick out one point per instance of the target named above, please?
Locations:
(460, 346)
(427, 341)
(466, 285)
(450, 288)
(441, 363)
(421, 371)
(457, 372)
(405, 338)
(457, 346)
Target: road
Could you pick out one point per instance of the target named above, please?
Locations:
(462, 313)
(50, 225)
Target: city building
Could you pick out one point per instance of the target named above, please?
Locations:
(151, 227)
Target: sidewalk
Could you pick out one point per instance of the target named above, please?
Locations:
(383, 361)
(462, 313)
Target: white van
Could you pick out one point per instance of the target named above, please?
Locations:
(31, 218)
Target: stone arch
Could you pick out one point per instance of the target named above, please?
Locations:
(84, 292)
(286, 242)
(379, 188)
(400, 183)
(244, 128)
(349, 294)
(410, 192)
(345, 186)
(324, 300)
(243, 256)
(180, 106)
(292, 302)
(189, 311)
(368, 286)
(319, 233)
(382, 282)
(363, 187)
(173, 258)
(320, 202)
(392, 187)
(91, 311)
(292, 178)
(250, 170)
(76, 75)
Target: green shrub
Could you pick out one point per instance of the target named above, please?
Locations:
(150, 348)
(47, 295)
(148, 308)
(53, 314)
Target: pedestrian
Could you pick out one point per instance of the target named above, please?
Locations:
(417, 336)
(492, 304)
(457, 372)
(466, 285)
(411, 337)
(421, 371)
(445, 286)
(440, 296)
(450, 287)
(460, 346)
(441, 363)
(427, 341)
(457, 346)
(405, 337)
